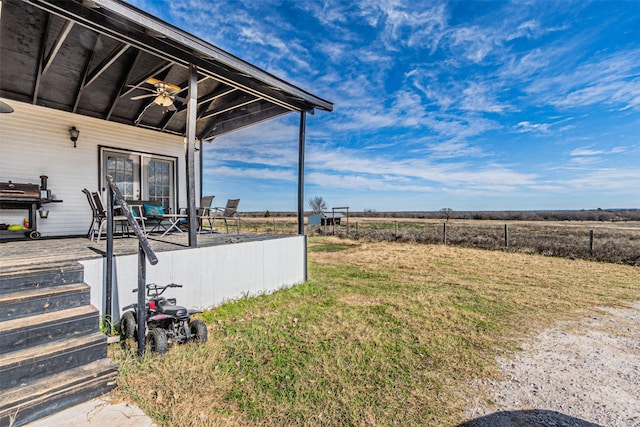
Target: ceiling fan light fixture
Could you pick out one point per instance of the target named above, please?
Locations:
(163, 100)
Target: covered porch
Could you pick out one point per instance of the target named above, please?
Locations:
(211, 273)
(145, 97)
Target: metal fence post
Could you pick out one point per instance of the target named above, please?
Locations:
(444, 233)
(506, 236)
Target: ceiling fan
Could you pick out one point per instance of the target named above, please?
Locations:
(5, 108)
(164, 94)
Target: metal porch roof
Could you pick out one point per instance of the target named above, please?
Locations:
(91, 57)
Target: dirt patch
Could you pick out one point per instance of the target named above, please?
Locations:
(586, 371)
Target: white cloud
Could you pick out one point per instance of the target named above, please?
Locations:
(479, 97)
(587, 151)
(532, 127)
(607, 179)
(601, 80)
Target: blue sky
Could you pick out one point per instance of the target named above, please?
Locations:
(470, 105)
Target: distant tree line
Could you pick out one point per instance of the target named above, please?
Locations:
(604, 215)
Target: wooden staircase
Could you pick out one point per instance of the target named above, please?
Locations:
(52, 354)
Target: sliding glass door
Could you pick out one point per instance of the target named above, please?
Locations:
(159, 178)
(125, 171)
(140, 176)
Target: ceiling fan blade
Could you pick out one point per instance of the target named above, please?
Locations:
(171, 107)
(141, 88)
(173, 87)
(135, 98)
(168, 86)
(181, 99)
(5, 108)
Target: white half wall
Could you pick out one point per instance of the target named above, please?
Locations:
(210, 275)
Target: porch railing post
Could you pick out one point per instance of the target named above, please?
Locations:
(141, 314)
(144, 252)
(301, 138)
(192, 109)
(108, 308)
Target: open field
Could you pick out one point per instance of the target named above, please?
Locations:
(382, 334)
(617, 242)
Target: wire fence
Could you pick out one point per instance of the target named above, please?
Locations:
(569, 241)
(595, 241)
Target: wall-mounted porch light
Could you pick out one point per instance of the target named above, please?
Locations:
(73, 135)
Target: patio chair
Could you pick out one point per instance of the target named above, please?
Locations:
(228, 213)
(100, 217)
(96, 219)
(154, 213)
(204, 215)
(205, 219)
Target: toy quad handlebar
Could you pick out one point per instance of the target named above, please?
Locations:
(154, 290)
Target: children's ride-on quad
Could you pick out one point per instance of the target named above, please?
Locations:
(166, 322)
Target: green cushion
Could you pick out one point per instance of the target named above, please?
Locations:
(153, 210)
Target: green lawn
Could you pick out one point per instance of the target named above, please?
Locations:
(381, 334)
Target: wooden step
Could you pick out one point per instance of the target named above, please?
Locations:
(24, 404)
(21, 278)
(24, 332)
(37, 301)
(26, 366)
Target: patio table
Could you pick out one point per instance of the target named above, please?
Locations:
(174, 219)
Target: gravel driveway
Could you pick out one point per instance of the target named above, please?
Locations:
(583, 373)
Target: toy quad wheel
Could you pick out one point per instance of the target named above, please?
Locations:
(128, 325)
(198, 331)
(157, 340)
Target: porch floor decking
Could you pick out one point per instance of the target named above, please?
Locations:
(48, 250)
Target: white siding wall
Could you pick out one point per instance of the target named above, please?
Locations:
(35, 141)
(209, 276)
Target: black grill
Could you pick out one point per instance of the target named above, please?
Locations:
(23, 197)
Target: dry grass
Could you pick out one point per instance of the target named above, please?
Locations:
(617, 242)
(382, 334)
(613, 242)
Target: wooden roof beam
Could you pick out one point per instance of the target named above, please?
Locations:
(106, 63)
(238, 104)
(145, 77)
(85, 73)
(239, 121)
(57, 44)
(123, 84)
(43, 47)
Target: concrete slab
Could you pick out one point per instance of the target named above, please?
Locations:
(97, 412)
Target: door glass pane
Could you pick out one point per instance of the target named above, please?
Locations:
(121, 169)
(159, 180)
